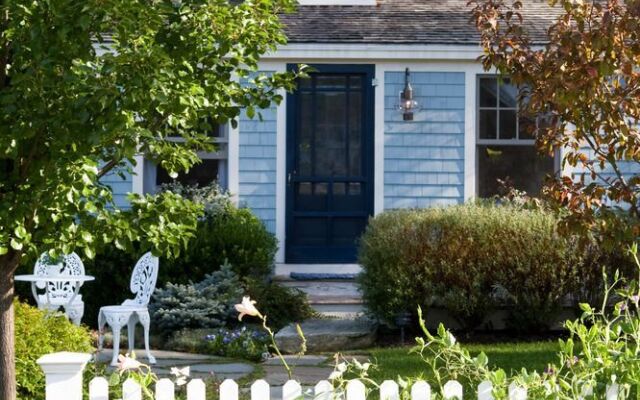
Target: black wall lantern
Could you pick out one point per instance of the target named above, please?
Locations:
(407, 103)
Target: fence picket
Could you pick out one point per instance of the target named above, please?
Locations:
(485, 391)
(229, 390)
(421, 391)
(389, 391)
(165, 390)
(517, 392)
(612, 392)
(260, 390)
(196, 390)
(291, 390)
(587, 391)
(323, 390)
(99, 389)
(131, 390)
(355, 390)
(452, 390)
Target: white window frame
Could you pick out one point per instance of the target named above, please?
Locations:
(149, 170)
(482, 142)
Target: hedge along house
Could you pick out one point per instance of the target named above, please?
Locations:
(341, 148)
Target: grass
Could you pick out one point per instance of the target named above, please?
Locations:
(395, 361)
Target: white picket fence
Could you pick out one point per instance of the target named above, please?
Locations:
(63, 373)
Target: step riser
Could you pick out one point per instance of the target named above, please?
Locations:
(346, 291)
(283, 271)
(332, 296)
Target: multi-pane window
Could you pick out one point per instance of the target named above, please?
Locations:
(212, 168)
(506, 147)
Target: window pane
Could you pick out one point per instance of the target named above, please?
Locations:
(522, 166)
(305, 135)
(526, 128)
(508, 124)
(488, 124)
(488, 92)
(330, 144)
(200, 174)
(355, 82)
(508, 94)
(331, 82)
(355, 133)
(311, 197)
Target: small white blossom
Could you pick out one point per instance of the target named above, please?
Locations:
(126, 363)
(247, 307)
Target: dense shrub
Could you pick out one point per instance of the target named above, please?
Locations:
(281, 304)
(205, 304)
(38, 333)
(469, 259)
(235, 236)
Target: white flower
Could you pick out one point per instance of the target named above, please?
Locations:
(335, 375)
(247, 308)
(127, 363)
(181, 375)
(342, 367)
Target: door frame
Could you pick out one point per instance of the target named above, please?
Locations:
(368, 131)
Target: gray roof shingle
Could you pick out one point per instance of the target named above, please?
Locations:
(403, 22)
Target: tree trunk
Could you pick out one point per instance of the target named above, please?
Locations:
(8, 266)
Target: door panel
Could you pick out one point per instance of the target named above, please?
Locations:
(329, 163)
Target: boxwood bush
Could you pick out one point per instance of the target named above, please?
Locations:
(38, 333)
(469, 259)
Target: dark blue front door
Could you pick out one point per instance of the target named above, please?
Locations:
(329, 163)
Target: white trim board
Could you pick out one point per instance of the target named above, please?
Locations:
(337, 2)
(348, 52)
(281, 168)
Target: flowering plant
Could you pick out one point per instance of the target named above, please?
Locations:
(248, 307)
(244, 343)
(130, 368)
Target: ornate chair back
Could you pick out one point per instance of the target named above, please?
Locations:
(69, 265)
(143, 280)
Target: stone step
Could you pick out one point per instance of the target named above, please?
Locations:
(284, 271)
(331, 288)
(336, 299)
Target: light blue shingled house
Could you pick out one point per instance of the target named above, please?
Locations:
(340, 150)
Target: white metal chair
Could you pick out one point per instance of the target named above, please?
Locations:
(132, 311)
(59, 293)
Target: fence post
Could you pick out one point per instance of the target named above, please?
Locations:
(63, 373)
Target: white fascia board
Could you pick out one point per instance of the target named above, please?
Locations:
(337, 2)
(378, 52)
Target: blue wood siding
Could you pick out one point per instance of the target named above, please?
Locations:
(120, 187)
(424, 158)
(257, 175)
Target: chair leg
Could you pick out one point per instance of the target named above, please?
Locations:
(131, 331)
(74, 313)
(115, 328)
(101, 323)
(145, 320)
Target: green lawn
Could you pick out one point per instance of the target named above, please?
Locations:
(396, 361)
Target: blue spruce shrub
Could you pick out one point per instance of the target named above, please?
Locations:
(206, 304)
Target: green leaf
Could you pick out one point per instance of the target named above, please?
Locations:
(16, 245)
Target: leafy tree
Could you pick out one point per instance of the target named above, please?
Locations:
(85, 85)
(586, 82)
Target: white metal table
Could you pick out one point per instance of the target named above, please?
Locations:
(76, 280)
